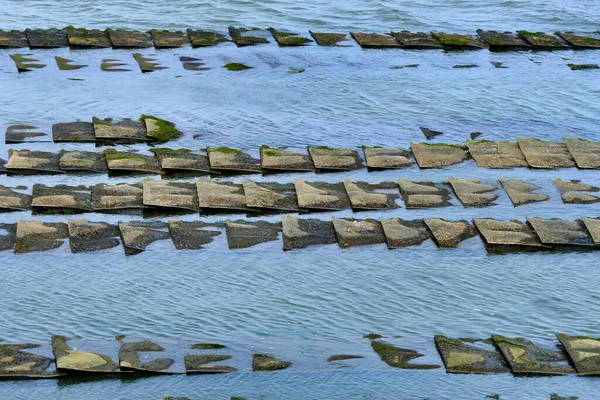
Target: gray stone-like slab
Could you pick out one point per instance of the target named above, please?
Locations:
(79, 361)
(327, 158)
(586, 153)
(265, 362)
(25, 62)
(400, 233)
(85, 161)
(35, 236)
(329, 39)
(456, 41)
(199, 38)
(283, 160)
(171, 195)
(545, 154)
(16, 362)
(593, 227)
(77, 132)
(232, 160)
(61, 199)
(387, 157)
(286, 39)
(202, 364)
(182, 160)
(92, 236)
(130, 162)
(375, 41)
(12, 200)
(13, 39)
(147, 63)
(300, 233)
(8, 233)
(243, 234)
(130, 358)
(46, 38)
(22, 134)
(449, 233)
(87, 38)
(571, 192)
(28, 162)
(417, 40)
(473, 193)
(423, 194)
(364, 195)
(401, 357)
(243, 37)
(558, 231)
(580, 41)
(438, 155)
(321, 195)
(543, 41)
(470, 356)
(271, 195)
(521, 193)
(168, 39)
(352, 232)
(120, 38)
(123, 131)
(503, 41)
(192, 235)
(123, 196)
(221, 195)
(584, 352)
(496, 154)
(528, 358)
(137, 235)
(507, 233)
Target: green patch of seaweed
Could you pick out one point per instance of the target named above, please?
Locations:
(372, 336)
(269, 151)
(236, 67)
(264, 362)
(157, 150)
(556, 396)
(10, 349)
(248, 40)
(227, 150)
(289, 40)
(166, 130)
(102, 121)
(114, 155)
(202, 42)
(339, 357)
(330, 39)
(455, 41)
(208, 346)
(577, 67)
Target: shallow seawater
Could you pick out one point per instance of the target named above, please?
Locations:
(305, 304)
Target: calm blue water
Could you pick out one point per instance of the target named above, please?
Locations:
(302, 305)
